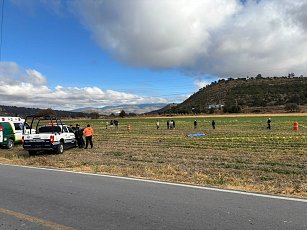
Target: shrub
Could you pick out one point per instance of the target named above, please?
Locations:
(292, 107)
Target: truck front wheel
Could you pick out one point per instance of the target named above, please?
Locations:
(10, 143)
(60, 148)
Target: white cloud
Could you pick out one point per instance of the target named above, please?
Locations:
(28, 88)
(217, 37)
(35, 77)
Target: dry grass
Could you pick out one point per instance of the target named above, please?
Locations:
(239, 154)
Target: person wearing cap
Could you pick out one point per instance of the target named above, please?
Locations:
(89, 133)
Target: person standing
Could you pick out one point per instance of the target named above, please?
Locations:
(116, 122)
(89, 133)
(174, 125)
(158, 124)
(167, 124)
(269, 123)
(213, 124)
(195, 124)
(79, 136)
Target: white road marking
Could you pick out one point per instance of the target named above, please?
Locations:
(166, 183)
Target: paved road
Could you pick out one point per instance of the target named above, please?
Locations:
(46, 199)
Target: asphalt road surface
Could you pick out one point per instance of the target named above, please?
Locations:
(46, 199)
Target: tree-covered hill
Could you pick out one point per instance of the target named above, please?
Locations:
(23, 112)
(239, 95)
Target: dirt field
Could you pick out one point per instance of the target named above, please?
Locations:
(241, 153)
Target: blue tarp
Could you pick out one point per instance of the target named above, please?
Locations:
(196, 135)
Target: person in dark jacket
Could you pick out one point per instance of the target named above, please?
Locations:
(269, 123)
(79, 136)
(174, 125)
(213, 124)
(195, 124)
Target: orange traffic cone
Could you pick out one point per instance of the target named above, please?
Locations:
(295, 126)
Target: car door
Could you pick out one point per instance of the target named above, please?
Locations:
(69, 137)
(18, 131)
(72, 137)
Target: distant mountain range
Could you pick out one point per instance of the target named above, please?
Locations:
(245, 95)
(129, 108)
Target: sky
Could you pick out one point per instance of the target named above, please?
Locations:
(68, 54)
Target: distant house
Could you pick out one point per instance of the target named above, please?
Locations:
(216, 106)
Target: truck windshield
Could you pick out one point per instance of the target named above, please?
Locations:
(49, 129)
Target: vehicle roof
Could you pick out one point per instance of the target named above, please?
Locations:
(12, 119)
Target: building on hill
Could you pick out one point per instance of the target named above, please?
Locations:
(215, 106)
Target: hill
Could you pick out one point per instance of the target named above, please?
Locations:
(247, 95)
(23, 112)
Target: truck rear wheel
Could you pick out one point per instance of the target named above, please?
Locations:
(10, 143)
(60, 148)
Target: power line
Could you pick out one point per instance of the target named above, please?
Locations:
(1, 32)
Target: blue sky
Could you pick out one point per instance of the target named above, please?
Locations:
(64, 51)
(79, 53)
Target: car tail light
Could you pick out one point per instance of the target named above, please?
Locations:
(51, 139)
(0, 128)
(3, 119)
(23, 140)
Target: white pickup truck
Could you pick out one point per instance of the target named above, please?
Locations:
(50, 135)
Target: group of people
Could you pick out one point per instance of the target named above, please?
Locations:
(170, 124)
(112, 123)
(88, 133)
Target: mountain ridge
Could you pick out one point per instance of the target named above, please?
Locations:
(246, 95)
(128, 108)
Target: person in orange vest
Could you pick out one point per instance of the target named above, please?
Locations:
(89, 133)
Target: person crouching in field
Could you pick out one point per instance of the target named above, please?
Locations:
(89, 133)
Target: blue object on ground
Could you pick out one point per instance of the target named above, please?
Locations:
(196, 135)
